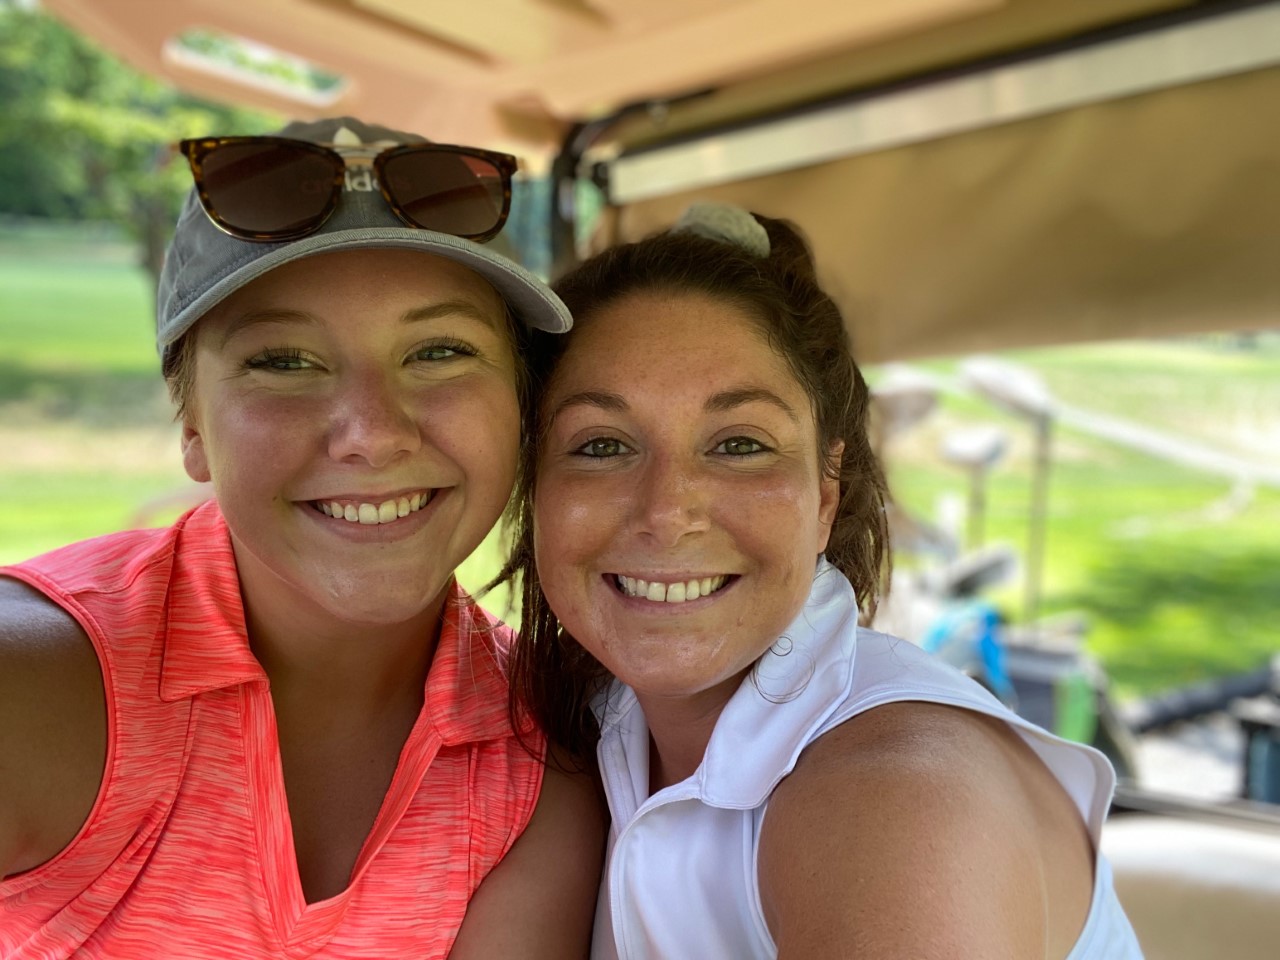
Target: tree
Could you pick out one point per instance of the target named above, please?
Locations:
(84, 136)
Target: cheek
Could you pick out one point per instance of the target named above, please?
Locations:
(568, 537)
(474, 423)
(777, 522)
(555, 577)
(787, 501)
(554, 526)
(256, 436)
(576, 515)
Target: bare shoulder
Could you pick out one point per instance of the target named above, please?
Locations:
(539, 902)
(922, 830)
(53, 727)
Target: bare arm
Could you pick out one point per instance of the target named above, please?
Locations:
(539, 902)
(53, 728)
(920, 831)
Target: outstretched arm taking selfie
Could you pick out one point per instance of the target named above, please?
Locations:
(52, 728)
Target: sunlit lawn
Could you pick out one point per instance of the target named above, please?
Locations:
(1175, 587)
(1172, 591)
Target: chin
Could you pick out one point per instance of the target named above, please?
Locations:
(669, 680)
(374, 607)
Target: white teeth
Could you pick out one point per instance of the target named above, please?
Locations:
(669, 593)
(374, 513)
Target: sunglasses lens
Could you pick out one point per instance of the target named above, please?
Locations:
(448, 192)
(268, 188)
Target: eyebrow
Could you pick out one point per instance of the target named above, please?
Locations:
(247, 320)
(599, 399)
(717, 403)
(445, 308)
(729, 399)
(451, 308)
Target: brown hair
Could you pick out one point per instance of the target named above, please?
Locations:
(552, 676)
(178, 365)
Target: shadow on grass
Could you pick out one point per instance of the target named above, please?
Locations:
(1168, 614)
(94, 397)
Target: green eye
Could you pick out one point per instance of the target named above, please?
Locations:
(278, 360)
(740, 446)
(435, 353)
(443, 350)
(602, 447)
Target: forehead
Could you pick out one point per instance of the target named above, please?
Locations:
(691, 339)
(361, 283)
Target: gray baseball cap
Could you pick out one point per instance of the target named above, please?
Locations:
(203, 265)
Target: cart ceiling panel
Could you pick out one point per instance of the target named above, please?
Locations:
(516, 73)
(1153, 214)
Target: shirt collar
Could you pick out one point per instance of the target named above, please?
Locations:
(206, 644)
(786, 698)
(466, 693)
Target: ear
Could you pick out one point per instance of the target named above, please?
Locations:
(829, 491)
(194, 459)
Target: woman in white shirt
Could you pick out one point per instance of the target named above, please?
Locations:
(700, 530)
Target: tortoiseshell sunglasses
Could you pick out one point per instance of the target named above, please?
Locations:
(276, 188)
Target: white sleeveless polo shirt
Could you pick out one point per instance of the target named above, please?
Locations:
(680, 879)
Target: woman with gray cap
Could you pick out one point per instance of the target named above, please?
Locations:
(280, 728)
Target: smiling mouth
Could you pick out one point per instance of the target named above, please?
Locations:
(678, 591)
(370, 513)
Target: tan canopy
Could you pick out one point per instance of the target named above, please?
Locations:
(987, 173)
(518, 72)
(1150, 215)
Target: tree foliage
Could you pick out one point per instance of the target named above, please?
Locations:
(83, 136)
(250, 58)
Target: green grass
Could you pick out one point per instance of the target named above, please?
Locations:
(1174, 590)
(101, 320)
(76, 330)
(46, 509)
(1176, 584)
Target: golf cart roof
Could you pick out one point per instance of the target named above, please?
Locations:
(974, 174)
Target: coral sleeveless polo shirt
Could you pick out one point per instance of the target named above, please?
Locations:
(188, 851)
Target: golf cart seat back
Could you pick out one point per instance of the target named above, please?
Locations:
(1196, 890)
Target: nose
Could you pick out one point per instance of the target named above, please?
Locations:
(372, 420)
(670, 502)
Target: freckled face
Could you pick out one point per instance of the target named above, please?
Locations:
(358, 416)
(680, 503)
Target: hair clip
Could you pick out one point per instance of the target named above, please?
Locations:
(725, 223)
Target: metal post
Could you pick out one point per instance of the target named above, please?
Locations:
(1039, 518)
